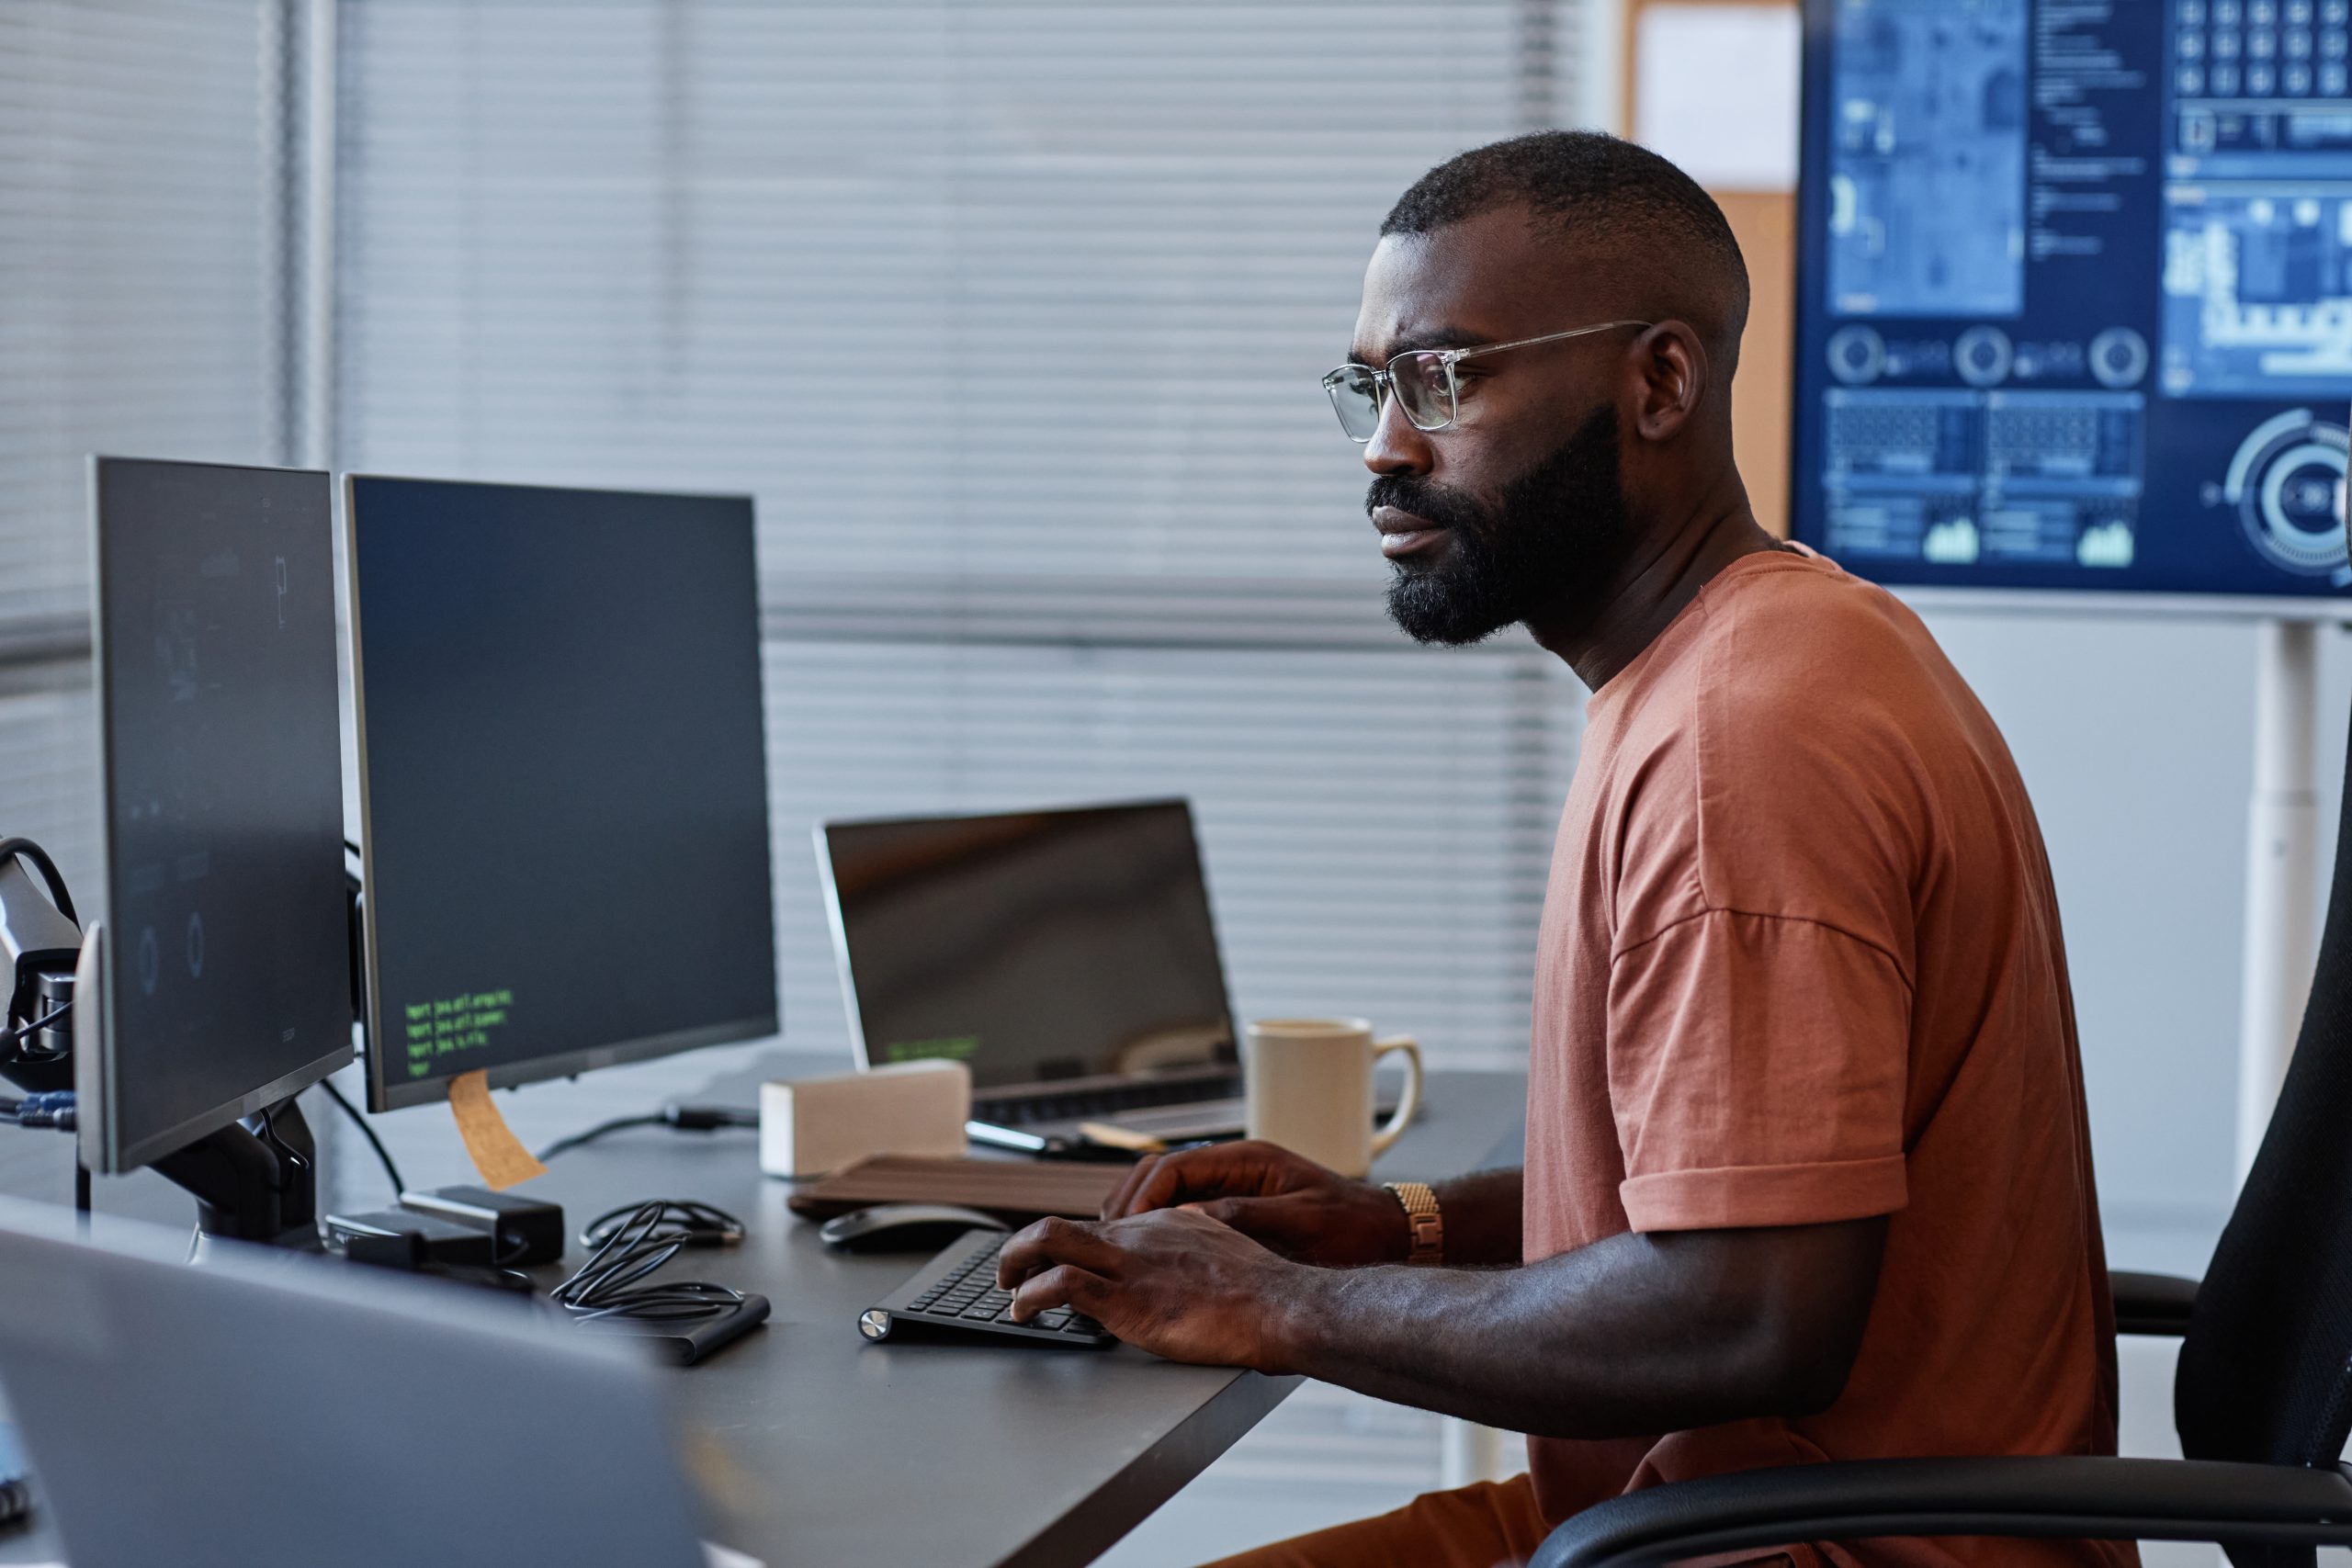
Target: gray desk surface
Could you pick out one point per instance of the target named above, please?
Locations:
(839, 1451)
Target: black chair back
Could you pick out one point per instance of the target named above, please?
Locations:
(2266, 1368)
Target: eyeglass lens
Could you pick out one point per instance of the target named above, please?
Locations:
(1355, 394)
(1423, 387)
(1420, 382)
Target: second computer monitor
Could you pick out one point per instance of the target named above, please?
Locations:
(563, 780)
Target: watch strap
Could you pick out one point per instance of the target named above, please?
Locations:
(1424, 1224)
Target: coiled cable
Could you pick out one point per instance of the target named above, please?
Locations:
(610, 1283)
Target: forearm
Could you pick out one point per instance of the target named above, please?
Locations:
(1631, 1335)
(1482, 1218)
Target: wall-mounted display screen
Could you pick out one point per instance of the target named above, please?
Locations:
(2074, 293)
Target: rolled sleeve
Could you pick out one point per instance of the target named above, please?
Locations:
(1758, 1067)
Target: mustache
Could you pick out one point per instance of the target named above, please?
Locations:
(1434, 503)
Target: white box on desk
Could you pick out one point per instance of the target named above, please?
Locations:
(809, 1126)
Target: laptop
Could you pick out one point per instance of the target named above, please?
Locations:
(269, 1410)
(1067, 957)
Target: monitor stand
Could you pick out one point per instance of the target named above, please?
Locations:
(253, 1180)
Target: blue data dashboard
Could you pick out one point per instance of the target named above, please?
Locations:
(2074, 293)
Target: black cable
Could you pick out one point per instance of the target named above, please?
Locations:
(608, 1284)
(11, 848)
(563, 1146)
(382, 1154)
(705, 1225)
(685, 1118)
(11, 1036)
(285, 1150)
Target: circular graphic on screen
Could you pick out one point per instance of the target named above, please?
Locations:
(2285, 482)
(1857, 355)
(1982, 356)
(2119, 357)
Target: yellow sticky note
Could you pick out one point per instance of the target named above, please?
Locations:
(497, 1153)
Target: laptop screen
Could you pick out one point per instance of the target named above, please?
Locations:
(1031, 946)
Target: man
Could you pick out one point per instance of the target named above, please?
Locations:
(1808, 1175)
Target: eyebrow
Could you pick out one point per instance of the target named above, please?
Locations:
(1436, 337)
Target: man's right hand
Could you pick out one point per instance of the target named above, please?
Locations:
(1283, 1200)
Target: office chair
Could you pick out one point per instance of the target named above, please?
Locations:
(2262, 1393)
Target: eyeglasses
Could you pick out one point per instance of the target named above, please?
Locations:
(1422, 380)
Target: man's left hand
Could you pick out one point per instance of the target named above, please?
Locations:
(1174, 1283)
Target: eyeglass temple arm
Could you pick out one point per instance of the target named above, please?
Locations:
(1456, 355)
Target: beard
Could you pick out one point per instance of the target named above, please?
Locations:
(1549, 546)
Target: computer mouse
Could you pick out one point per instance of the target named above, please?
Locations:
(904, 1227)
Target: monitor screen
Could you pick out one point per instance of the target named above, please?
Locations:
(2074, 293)
(1031, 946)
(563, 780)
(227, 968)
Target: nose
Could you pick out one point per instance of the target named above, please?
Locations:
(1398, 445)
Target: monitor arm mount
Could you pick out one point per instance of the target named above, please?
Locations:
(253, 1180)
(39, 945)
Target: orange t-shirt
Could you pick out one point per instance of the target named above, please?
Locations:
(1801, 963)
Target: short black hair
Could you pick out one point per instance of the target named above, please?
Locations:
(1590, 187)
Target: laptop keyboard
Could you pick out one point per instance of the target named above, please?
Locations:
(1045, 1105)
(958, 1290)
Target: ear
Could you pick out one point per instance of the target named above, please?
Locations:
(1672, 366)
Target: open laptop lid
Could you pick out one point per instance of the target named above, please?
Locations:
(267, 1410)
(1032, 946)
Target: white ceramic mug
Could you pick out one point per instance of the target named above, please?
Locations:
(1309, 1083)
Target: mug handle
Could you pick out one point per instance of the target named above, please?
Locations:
(1395, 1126)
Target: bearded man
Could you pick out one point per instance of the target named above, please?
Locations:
(1808, 1174)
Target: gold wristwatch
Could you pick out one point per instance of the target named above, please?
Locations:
(1422, 1220)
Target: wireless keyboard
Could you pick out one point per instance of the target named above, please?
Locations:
(958, 1290)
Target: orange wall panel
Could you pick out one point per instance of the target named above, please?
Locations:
(1765, 223)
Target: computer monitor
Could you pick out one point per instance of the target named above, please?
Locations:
(563, 780)
(224, 958)
(1032, 945)
(2074, 296)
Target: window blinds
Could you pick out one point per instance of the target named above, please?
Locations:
(137, 276)
(138, 310)
(973, 296)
